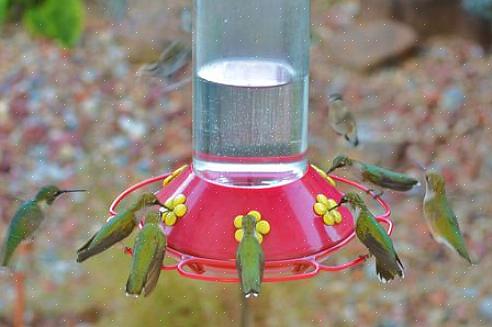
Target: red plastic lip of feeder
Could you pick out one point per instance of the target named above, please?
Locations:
(307, 246)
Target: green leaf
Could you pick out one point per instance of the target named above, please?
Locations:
(59, 20)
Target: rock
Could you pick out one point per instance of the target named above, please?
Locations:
(431, 17)
(453, 98)
(388, 323)
(367, 46)
(376, 9)
(485, 308)
(135, 129)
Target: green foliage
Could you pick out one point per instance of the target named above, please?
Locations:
(3, 10)
(59, 20)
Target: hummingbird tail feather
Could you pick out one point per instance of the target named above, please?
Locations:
(5, 256)
(88, 251)
(384, 275)
(251, 293)
(464, 253)
(459, 247)
(84, 255)
(401, 271)
(131, 289)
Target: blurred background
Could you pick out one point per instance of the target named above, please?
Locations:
(73, 111)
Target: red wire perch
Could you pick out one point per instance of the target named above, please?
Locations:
(305, 267)
(119, 198)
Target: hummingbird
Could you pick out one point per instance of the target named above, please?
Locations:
(171, 60)
(27, 220)
(148, 254)
(342, 120)
(376, 175)
(250, 261)
(440, 217)
(116, 229)
(373, 236)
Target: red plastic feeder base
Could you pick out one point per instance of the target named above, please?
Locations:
(203, 240)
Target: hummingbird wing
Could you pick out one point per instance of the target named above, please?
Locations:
(171, 60)
(155, 269)
(154, 273)
(146, 253)
(444, 225)
(25, 222)
(387, 178)
(116, 229)
(388, 264)
(250, 264)
(380, 245)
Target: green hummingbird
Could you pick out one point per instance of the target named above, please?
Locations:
(250, 261)
(148, 254)
(27, 220)
(116, 229)
(376, 175)
(341, 119)
(440, 217)
(171, 60)
(373, 236)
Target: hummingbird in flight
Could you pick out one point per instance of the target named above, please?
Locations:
(250, 261)
(440, 217)
(376, 175)
(116, 229)
(342, 120)
(27, 220)
(148, 254)
(374, 237)
(171, 60)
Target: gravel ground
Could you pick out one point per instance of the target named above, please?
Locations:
(83, 119)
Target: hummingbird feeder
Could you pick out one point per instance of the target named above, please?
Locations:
(250, 88)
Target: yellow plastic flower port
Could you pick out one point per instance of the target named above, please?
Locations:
(324, 175)
(173, 175)
(175, 208)
(322, 208)
(262, 226)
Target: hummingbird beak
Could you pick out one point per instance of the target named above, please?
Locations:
(157, 202)
(70, 191)
(342, 201)
(335, 207)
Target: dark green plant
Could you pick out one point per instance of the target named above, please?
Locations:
(3, 10)
(62, 21)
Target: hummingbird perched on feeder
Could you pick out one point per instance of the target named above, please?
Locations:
(440, 217)
(27, 220)
(148, 255)
(373, 236)
(341, 119)
(250, 260)
(376, 175)
(116, 229)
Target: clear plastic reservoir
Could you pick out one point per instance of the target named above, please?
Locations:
(251, 64)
